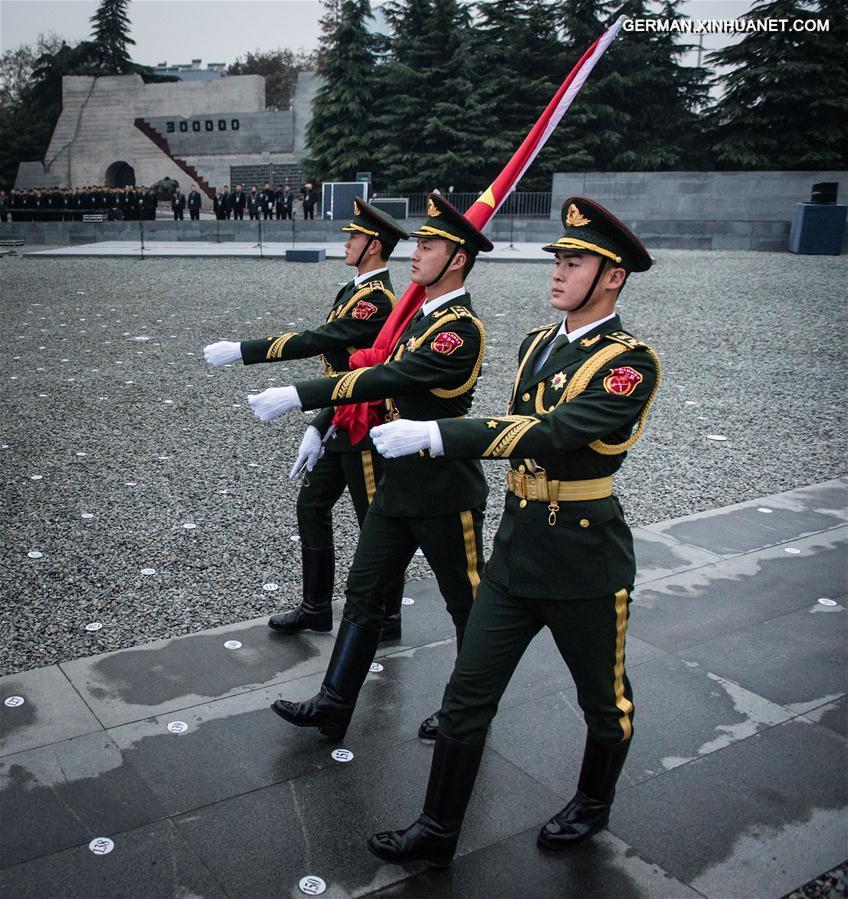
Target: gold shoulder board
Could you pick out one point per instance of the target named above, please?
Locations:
(628, 340)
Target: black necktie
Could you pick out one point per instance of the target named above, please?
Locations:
(417, 317)
(559, 343)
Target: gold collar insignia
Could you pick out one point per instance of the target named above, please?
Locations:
(590, 341)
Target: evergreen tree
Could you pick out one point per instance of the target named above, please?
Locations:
(340, 131)
(112, 36)
(520, 55)
(785, 100)
(27, 125)
(639, 110)
(431, 129)
(279, 68)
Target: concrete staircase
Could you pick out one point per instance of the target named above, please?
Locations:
(162, 142)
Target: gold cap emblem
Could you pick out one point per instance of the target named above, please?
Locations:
(356, 207)
(575, 218)
(432, 209)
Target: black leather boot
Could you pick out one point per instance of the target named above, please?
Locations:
(331, 709)
(429, 727)
(315, 613)
(588, 811)
(391, 616)
(433, 837)
(391, 628)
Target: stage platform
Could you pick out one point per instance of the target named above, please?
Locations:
(503, 252)
(735, 785)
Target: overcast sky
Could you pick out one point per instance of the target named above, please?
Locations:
(178, 31)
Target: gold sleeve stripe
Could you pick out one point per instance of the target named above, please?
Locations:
(621, 701)
(368, 474)
(344, 386)
(505, 443)
(470, 551)
(275, 351)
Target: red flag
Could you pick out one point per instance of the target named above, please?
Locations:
(357, 419)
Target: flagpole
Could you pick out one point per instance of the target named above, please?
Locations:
(355, 418)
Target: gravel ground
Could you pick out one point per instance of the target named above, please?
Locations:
(117, 436)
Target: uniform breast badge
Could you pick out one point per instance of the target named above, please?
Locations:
(622, 381)
(558, 380)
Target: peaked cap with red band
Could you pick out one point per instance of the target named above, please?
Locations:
(589, 228)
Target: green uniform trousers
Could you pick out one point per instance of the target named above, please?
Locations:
(321, 490)
(590, 635)
(451, 543)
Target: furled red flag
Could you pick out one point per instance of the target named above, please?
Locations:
(357, 419)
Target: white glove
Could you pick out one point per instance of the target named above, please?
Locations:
(273, 402)
(222, 353)
(401, 438)
(311, 450)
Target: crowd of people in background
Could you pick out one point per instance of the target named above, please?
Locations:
(266, 203)
(54, 204)
(57, 204)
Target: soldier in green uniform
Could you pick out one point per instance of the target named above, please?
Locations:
(432, 503)
(563, 554)
(359, 311)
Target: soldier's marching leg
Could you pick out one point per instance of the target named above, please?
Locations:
(385, 545)
(331, 709)
(363, 472)
(434, 835)
(453, 545)
(499, 630)
(321, 489)
(590, 635)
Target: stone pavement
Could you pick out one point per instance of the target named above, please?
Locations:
(503, 252)
(735, 786)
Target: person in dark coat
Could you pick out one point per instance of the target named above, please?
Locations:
(254, 202)
(238, 200)
(309, 200)
(194, 203)
(226, 201)
(288, 202)
(178, 203)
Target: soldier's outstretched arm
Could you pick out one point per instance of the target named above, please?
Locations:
(439, 364)
(610, 404)
(356, 325)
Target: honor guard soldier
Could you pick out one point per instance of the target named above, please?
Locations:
(563, 554)
(432, 503)
(358, 313)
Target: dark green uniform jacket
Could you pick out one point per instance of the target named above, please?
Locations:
(588, 549)
(431, 374)
(356, 317)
